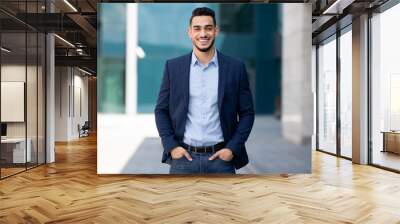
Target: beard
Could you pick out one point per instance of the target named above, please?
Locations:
(207, 48)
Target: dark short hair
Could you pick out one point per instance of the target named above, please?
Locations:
(203, 11)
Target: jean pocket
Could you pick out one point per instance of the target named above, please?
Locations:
(226, 161)
(181, 162)
(220, 166)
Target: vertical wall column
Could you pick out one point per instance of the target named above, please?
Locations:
(297, 97)
(360, 90)
(50, 91)
(50, 98)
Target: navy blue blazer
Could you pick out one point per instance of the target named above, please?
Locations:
(235, 105)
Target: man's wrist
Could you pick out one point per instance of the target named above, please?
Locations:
(229, 149)
(231, 146)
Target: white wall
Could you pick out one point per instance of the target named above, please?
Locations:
(71, 93)
(61, 103)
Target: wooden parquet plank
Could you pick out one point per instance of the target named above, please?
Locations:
(70, 191)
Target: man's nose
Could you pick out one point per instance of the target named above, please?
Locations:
(203, 33)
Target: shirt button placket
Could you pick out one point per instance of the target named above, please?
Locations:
(202, 104)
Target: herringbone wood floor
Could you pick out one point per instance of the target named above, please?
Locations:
(70, 191)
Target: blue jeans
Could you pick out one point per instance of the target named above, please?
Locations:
(201, 165)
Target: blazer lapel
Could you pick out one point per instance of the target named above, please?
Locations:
(186, 79)
(222, 72)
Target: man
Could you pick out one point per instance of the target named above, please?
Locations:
(201, 97)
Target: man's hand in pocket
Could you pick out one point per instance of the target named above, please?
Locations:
(224, 154)
(178, 152)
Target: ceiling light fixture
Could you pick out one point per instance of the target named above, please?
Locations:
(79, 51)
(337, 7)
(70, 5)
(64, 40)
(5, 50)
(331, 7)
(84, 71)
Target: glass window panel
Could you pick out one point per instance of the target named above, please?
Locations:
(327, 96)
(13, 86)
(31, 97)
(23, 84)
(386, 89)
(346, 94)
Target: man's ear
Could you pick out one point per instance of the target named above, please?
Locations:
(216, 30)
(189, 32)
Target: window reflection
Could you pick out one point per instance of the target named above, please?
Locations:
(327, 96)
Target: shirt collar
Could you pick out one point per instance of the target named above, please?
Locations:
(214, 60)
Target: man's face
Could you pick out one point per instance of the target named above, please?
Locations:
(202, 31)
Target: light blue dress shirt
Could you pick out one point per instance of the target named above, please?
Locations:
(203, 127)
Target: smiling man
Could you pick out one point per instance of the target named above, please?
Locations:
(204, 112)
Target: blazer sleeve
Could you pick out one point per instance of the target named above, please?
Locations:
(245, 113)
(162, 114)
